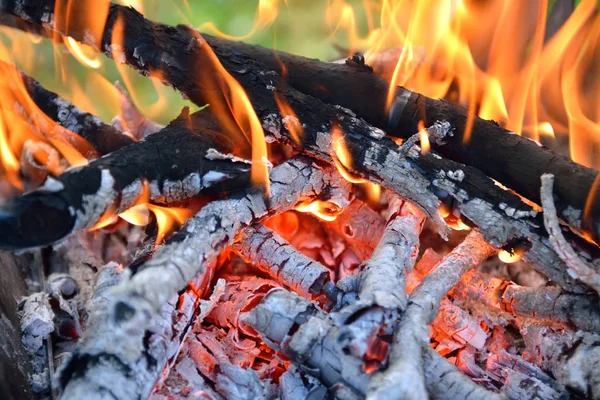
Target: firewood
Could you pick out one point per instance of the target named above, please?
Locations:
(549, 303)
(310, 338)
(381, 279)
(405, 373)
(103, 137)
(360, 226)
(346, 85)
(577, 267)
(422, 178)
(271, 253)
(147, 294)
(176, 164)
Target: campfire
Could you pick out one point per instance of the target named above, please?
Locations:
(419, 219)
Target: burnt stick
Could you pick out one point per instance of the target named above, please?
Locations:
(515, 161)
(177, 163)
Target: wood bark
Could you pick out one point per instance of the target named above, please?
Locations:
(178, 163)
(149, 46)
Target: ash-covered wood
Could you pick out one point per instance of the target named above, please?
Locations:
(146, 294)
(215, 226)
(405, 376)
(178, 163)
(149, 46)
(271, 253)
(578, 268)
(548, 304)
(382, 278)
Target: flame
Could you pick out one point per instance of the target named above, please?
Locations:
(137, 4)
(161, 106)
(544, 88)
(168, 219)
(424, 138)
(341, 154)
(83, 53)
(326, 210)
(234, 111)
(266, 14)
(508, 257)
(290, 120)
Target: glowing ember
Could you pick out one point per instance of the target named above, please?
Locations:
(508, 257)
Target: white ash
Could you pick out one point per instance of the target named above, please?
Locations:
(52, 185)
(116, 52)
(235, 382)
(457, 175)
(94, 205)
(36, 321)
(214, 154)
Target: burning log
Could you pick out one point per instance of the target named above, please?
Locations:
(360, 226)
(405, 373)
(547, 304)
(80, 197)
(103, 137)
(484, 145)
(271, 253)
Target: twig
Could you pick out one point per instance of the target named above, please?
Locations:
(404, 376)
(577, 267)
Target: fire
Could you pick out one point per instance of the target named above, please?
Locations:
(424, 137)
(83, 53)
(326, 210)
(168, 219)
(508, 257)
(236, 115)
(541, 87)
(292, 124)
(341, 154)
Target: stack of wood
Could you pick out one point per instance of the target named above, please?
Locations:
(251, 299)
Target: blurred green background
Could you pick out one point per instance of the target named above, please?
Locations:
(300, 28)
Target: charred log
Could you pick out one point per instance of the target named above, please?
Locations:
(103, 137)
(176, 164)
(149, 46)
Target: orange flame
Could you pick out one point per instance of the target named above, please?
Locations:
(83, 53)
(498, 70)
(232, 107)
(168, 219)
(424, 138)
(341, 154)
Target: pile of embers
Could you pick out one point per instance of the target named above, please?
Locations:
(288, 278)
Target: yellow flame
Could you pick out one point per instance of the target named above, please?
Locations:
(341, 154)
(168, 219)
(508, 257)
(424, 138)
(326, 210)
(83, 53)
